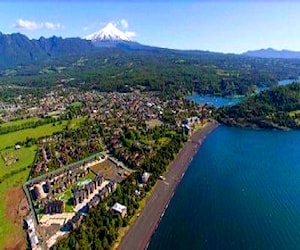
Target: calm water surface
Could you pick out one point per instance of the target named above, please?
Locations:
(241, 191)
(228, 101)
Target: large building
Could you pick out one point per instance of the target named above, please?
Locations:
(119, 208)
(54, 207)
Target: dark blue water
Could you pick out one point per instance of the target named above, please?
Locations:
(241, 191)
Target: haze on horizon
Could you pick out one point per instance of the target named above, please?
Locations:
(226, 26)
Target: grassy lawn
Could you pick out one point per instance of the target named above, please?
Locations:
(19, 122)
(66, 197)
(76, 104)
(24, 155)
(8, 140)
(76, 121)
(163, 141)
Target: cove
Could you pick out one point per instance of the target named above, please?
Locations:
(229, 101)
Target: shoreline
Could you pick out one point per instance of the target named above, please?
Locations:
(140, 232)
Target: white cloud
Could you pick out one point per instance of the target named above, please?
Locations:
(130, 34)
(53, 26)
(31, 25)
(27, 25)
(124, 23)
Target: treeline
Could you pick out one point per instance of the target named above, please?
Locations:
(29, 124)
(100, 227)
(12, 173)
(269, 109)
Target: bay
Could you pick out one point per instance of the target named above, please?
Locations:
(229, 101)
(214, 100)
(241, 191)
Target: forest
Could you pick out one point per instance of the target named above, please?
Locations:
(172, 72)
(278, 108)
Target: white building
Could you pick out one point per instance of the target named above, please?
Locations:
(119, 208)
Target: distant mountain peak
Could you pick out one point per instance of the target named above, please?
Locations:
(273, 53)
(109, 33)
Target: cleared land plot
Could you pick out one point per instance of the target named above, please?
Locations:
(109, 170)
(11, 232)
(154, 123)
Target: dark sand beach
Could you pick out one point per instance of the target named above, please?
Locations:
(140, 232)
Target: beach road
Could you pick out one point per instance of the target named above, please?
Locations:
(139, 234)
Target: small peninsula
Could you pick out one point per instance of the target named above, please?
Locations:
(277, 108)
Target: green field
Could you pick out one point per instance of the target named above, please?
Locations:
(76, 104)
(19, 122)
(8, 140)
(25, 157)
(16, 160)
(76, 121)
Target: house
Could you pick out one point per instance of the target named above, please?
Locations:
(76, 220)
(93, 202)
(145, 177)
(33, 239)
(119, 208)
(17, 147)
(98, 180)
(55, 206)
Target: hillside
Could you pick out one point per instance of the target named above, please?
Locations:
(276, 108)
(17, 49)
(272, 53)
(117, 65)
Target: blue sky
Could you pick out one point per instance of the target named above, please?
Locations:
(224, 26)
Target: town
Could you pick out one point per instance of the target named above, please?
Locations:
(101, 141)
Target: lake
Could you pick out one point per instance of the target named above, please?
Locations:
(229, 101)
(241, 191)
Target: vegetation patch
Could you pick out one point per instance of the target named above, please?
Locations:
(275, 108)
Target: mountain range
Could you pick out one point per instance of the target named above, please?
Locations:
(272, 53)
(17, 49)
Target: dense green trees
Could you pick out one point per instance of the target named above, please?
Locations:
(269, 109)
(169, 71)
(100, 227)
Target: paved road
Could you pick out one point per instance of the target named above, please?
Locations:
(139, 234)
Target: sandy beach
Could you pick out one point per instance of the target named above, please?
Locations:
(139, 234)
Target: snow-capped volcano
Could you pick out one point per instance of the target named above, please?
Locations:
(109, 33)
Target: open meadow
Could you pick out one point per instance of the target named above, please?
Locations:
(14, 170)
